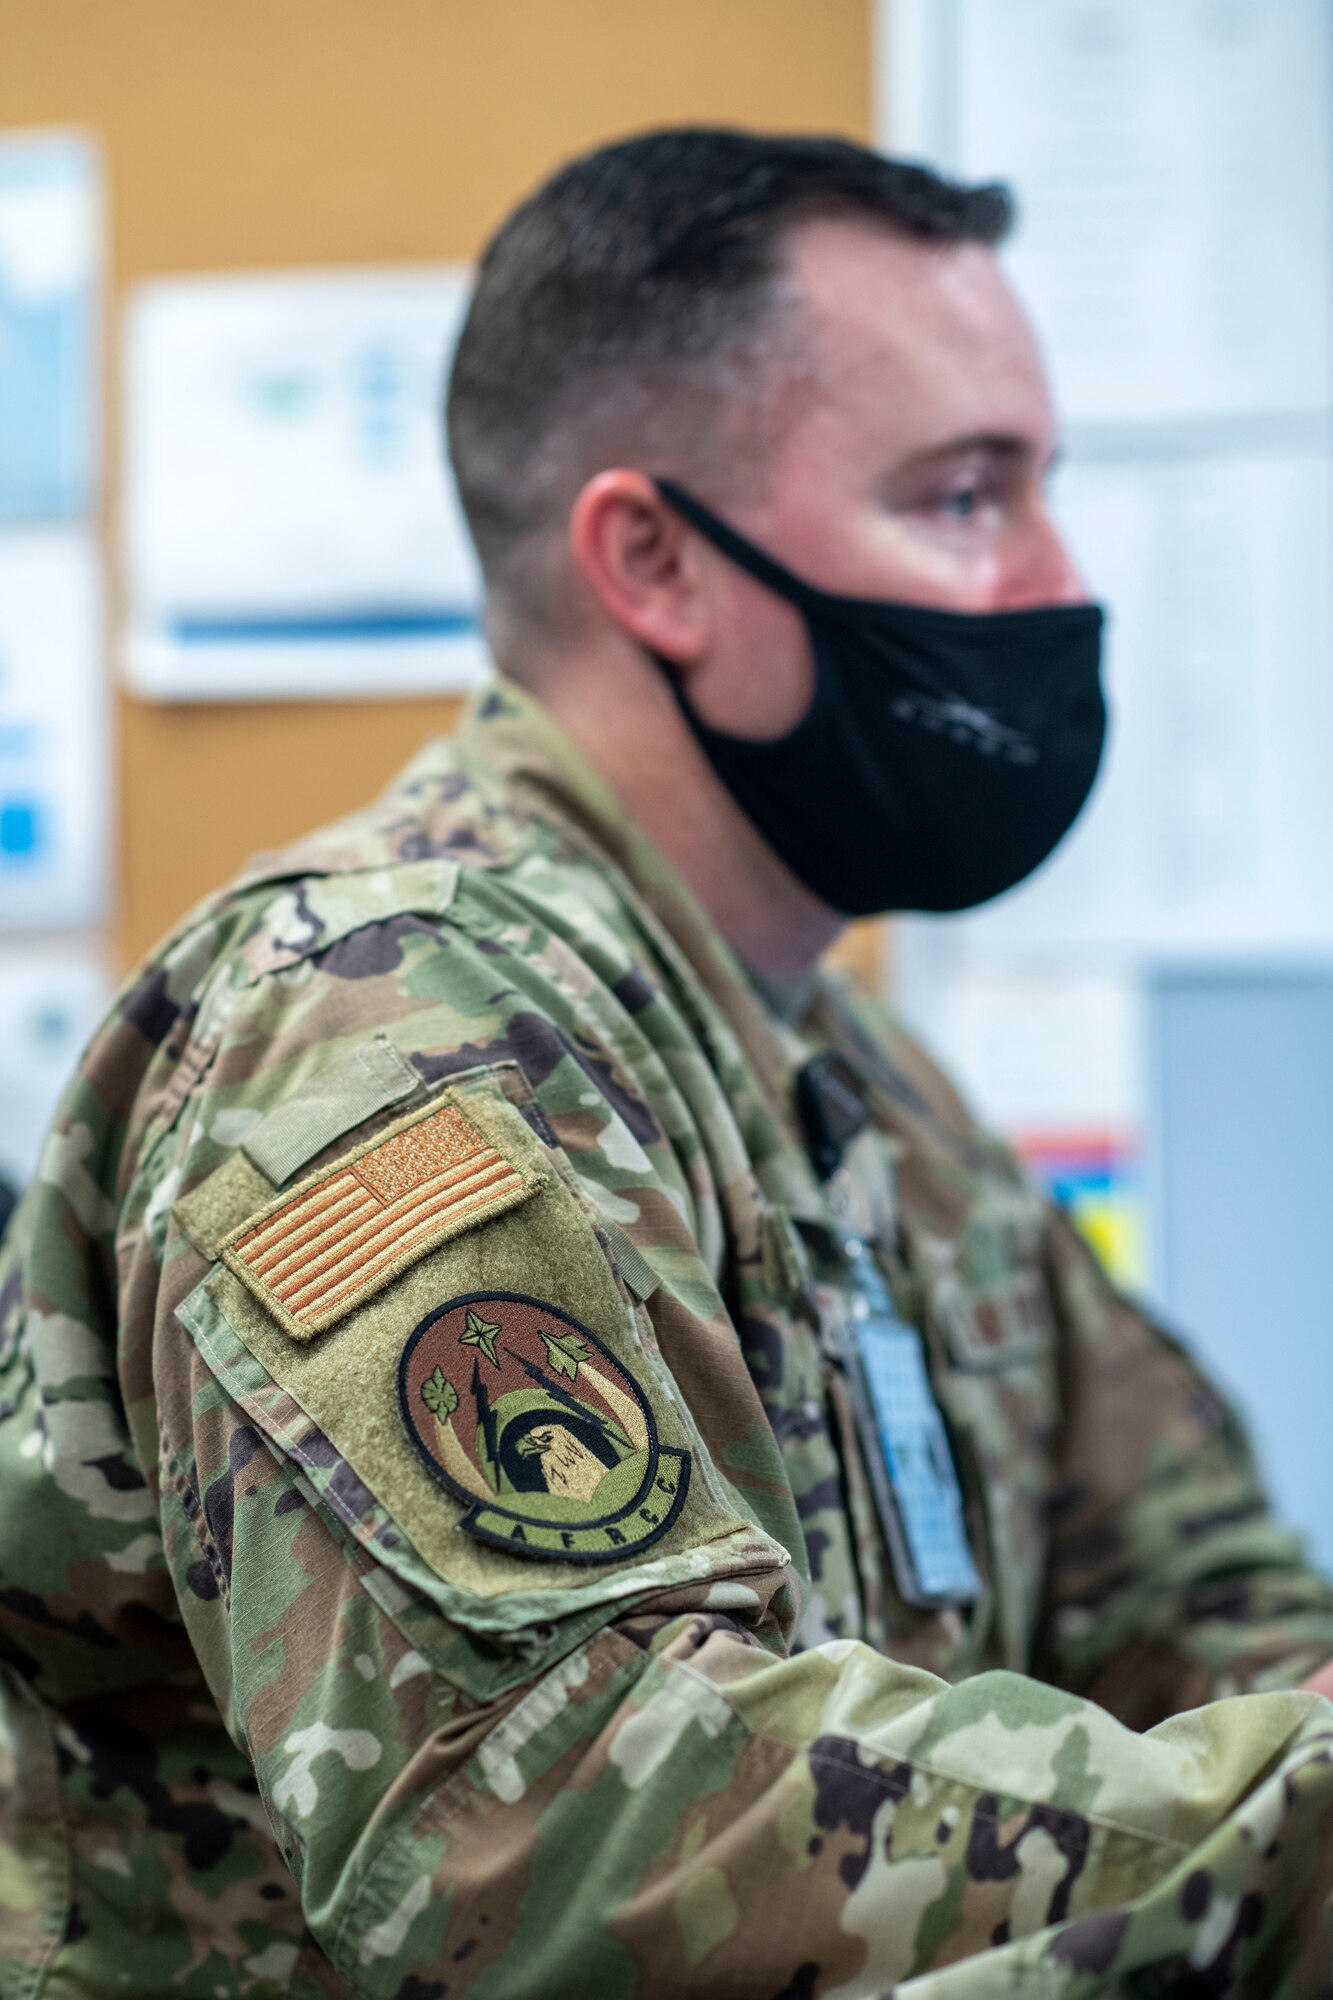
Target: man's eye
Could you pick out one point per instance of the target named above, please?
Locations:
(961, 506)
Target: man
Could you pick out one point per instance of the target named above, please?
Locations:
(543, 1453)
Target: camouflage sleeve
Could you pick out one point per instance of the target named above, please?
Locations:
(668, 1808)
(499, 1615)
(1169, 1581)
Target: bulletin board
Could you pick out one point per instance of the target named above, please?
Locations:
(276, 134)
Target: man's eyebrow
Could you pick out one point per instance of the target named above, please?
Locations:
(989, 444)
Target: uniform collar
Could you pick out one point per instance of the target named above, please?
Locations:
(504, 733)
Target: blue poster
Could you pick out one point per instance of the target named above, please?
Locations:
(50, 257)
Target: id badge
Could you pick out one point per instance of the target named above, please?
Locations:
(907, 1452)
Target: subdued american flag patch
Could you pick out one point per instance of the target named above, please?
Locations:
(336, 1240)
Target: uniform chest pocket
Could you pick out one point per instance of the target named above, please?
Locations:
(986, 1290)
(991, 1329)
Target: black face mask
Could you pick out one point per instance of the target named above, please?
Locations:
(945, 753)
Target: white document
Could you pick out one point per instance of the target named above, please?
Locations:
(1172, 165)
(1055, 1056)
(291, 524)
(50, 266)
(1040, 1049)
(54, 728)
(50, 1001)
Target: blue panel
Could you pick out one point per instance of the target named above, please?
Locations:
(20, 828)
(1243, 1137)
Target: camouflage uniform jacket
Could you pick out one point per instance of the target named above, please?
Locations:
(436, 1556)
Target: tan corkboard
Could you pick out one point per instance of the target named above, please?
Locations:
(285, 133)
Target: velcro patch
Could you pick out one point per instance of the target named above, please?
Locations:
(321, 1251)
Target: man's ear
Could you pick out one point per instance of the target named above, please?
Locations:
(647, 571)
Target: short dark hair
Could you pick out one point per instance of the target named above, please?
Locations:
(626, 311)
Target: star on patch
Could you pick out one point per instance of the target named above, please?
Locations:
(480, 1333)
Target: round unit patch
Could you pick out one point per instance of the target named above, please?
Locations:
(527, 1418)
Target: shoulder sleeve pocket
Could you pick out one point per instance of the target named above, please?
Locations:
(432, 1329)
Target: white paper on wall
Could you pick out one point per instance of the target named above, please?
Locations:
(50, 1001)
(1038, 1048)
(54, 725)
(50, 268)
(1173, 169)
(1054, 1055)
(291, 524)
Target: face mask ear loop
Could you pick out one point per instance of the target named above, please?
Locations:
(744, 554)
(804, 596)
